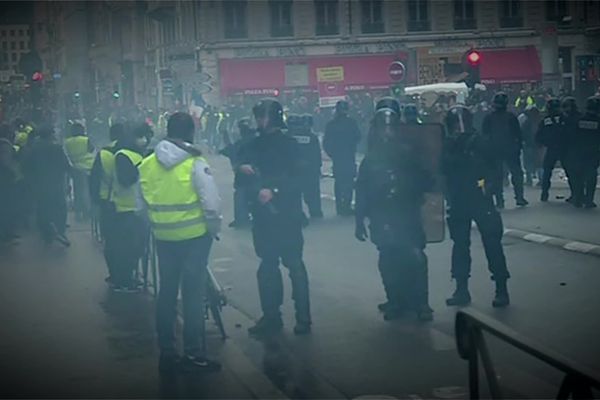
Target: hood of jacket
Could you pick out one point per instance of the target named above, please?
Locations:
(170, 155)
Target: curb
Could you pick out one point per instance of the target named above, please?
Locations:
(565, 244)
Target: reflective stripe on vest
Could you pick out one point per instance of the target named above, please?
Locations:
(107, 161)
(173, 204)
(77, 150)
(125, 197)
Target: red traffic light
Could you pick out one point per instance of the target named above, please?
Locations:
(473, 58)
(37, 76)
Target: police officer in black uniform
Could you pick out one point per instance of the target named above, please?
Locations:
(587, 151)
(570, 117)
(551, 134)
(389, 193)
(342, 136)
(502, 128)
(411, 114)
(468, 165)
(271, 163)
(309, 148)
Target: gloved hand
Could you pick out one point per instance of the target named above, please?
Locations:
(213, 226)
(360, 232)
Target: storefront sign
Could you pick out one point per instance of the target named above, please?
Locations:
(330, 93)
(330, 74)
(452, 45)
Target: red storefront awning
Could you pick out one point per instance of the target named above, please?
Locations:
(517, 65)
(364, 71)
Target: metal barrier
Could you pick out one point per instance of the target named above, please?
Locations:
(469, 327)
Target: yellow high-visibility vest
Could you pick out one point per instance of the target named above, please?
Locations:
(124, 197)
(173, 204)
(77, 151)
(107, 161)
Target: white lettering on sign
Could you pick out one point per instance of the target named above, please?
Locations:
(588, 125)
(302, 139)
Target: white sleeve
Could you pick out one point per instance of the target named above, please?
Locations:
(206, 188)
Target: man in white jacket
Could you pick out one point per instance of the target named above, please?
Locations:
(183, 206)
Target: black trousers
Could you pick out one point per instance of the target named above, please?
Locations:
(512, 161)
(240, 206)
(404, 274)
(275, 241)
(551, 157)
(128, 247)
(108, 223)
(460, 216)
(584, 172)
(51, 213)
(182, 264)
(343, 187)
(311, 193)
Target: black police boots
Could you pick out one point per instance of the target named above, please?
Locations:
(544, 196)
(501, 299)
(461, 296)
(266, 326)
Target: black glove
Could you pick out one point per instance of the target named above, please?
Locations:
(360, 232)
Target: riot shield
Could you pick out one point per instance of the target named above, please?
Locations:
(427, 141)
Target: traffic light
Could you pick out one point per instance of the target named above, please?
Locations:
(116, 95)
(471, 63)
(37, 76)
(76, 95)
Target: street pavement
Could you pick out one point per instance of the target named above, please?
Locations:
(64, 334)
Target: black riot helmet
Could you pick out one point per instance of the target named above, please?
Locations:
(268, 114)
(569, 105)
(245, 128)
(307, 121)
(384, 126)
(458, 121)
(411, 113)
(500, 101)
(592, 105)
(388, 102)
(342, 107)
(553, 106)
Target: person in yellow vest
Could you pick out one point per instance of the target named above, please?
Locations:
(101, 182)
(81, 155)
(183, 206)
(128, 236)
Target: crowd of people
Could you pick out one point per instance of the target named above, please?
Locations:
(141, 183)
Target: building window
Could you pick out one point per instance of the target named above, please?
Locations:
(21, 32)
(565, 59)
(511, 14)
(40, 26)
(464, 14)
(13, 45)
(281, 18)
(556, 11)
(28, 32)
(3, 33)
(235, 19)
(372, 16)
(13, 57)
(4, 46)
(418, 16)
(12, 32)
(22, 45)
(327, 17)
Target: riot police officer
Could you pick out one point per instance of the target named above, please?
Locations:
(570, 117)
(389, 193)
(467, 165)
(309, 152)
(388, 102)
(502, 128)
(271, 164)
(586, 147)
(411, 114)
(551, 134)
(342, 136)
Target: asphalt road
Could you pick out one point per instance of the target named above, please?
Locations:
(64, 334)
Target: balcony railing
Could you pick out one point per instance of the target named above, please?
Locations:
(511, 22)
(419, 26)
(465, 24)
